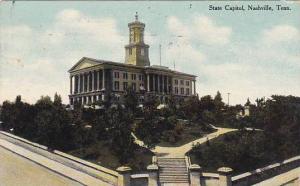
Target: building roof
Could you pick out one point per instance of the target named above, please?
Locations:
(100, 61)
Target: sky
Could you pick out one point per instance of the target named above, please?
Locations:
(249, 54)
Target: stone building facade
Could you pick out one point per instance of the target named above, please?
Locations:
(92, 80)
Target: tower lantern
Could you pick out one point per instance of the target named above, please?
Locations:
(137, 50)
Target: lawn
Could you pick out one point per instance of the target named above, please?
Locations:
(243, 151)
(188, 133)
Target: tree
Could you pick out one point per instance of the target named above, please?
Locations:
(206, 103)
(191, 108)
(219, 104)
(131, 100)
(8, 116)
(57, 100)
(120, 123)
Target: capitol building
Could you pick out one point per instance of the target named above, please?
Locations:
(92, 80)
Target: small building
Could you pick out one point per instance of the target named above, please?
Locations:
(92, 80)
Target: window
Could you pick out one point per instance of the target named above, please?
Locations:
(181, 82)
(142, 52)
(131, 35)
(116, 86)
(116, 74)
(141, 77)
(134, 86)
(133, 76)
(187, 91)
(125, 75)
(176, 82)
(187, 83)
(181, 90)
(176, 90)
(130, 51)
(125, 85)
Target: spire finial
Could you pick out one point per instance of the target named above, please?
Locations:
(136, 16)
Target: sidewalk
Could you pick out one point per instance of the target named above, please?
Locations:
(180, 151)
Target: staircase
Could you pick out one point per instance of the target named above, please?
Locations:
(172, 171)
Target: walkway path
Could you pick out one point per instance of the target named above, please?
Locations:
(181, 150)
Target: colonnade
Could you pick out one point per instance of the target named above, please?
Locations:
(159, 83)
(87, 82)
(86, 87)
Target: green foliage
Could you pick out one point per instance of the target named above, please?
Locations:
(120, 123)
(279, 117)
(131, 100)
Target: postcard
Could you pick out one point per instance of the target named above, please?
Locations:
(148, 93)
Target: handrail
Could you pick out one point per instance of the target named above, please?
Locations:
(187, 162)
(266, 168)
(210, 174)
(134, 176)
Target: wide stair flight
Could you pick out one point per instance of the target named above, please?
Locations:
(172, 170)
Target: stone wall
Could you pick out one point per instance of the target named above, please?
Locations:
(139, 180)
(283, 173)
(265, 173)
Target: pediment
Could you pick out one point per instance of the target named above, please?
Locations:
(83, 63)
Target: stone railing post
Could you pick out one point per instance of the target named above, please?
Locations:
(225, 176)
(195, 175)
(153, 175)
(124, 176)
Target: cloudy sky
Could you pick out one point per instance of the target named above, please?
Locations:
(249, 54)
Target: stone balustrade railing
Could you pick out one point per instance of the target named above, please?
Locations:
(123, 177)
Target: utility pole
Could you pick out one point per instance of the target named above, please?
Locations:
(228, 94)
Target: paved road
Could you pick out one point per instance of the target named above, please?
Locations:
(16, 170)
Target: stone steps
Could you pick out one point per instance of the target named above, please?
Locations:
(172, 170)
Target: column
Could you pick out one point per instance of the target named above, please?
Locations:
(163, 84)
(71, 85)
(153, 175)
(98, 77)
(103, 79)
(225, 176)
(88, 82)
(148, 82)
(153, 82)
(83, 82)
(158, 83)
(80, 83)
(93, 80)
(194, 87)
(75, 88)
(168, 85)
(195, 175)
(124, 176)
